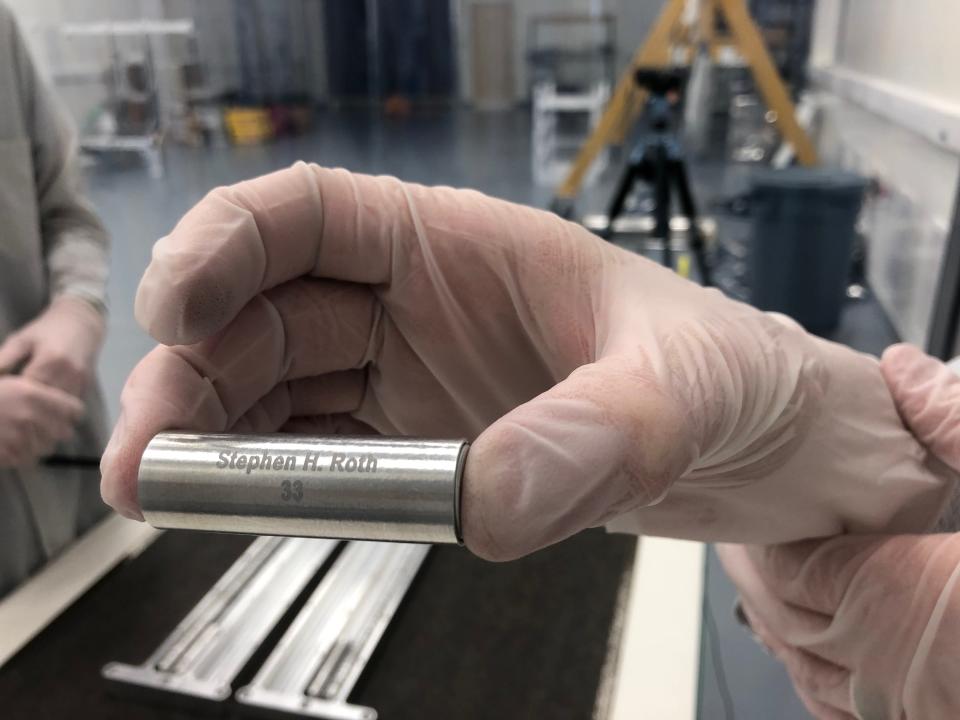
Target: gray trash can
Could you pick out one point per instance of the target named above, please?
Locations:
(801, 242)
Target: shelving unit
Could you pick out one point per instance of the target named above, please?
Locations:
(554, 147)
(135, 116)
(570, 59)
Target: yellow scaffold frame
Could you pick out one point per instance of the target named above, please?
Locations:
(673, 40)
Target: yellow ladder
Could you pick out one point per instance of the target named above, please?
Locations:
(673, 35)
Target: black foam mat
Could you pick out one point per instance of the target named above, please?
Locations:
(472, 639)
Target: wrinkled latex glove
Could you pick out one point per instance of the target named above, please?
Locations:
(34, 417)
(869, 627)
(593, 383)
(59, 347)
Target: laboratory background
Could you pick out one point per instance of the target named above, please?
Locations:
(801, 156)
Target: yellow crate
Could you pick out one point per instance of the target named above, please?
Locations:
(248, 126)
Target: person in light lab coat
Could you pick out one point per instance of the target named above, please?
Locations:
(53, 271)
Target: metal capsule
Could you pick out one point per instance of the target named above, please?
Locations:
(359, 488)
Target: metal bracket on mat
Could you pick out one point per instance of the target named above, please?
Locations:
(318, 661)
(210, 646)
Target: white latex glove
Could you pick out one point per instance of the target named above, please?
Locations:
(592, 382)
(33, 418)
(869, 627)
(59, 347)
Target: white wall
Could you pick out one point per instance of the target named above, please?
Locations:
(888, 72)
(910, 43)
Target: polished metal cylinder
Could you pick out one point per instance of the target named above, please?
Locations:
(357, 488)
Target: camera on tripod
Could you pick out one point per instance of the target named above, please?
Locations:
(657, 160)
(660, 80)
(665, 86)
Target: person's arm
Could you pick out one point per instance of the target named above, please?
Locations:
(869, 627)
(59, 347)
(75, 244)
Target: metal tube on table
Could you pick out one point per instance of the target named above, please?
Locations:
(359, 488)
(205, 653)
(316, 664)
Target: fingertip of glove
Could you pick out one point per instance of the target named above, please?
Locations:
(476, 532)
(113, 493)
(131, 514)
(900, 356)
(493, 503)
(486, 550)
(158, 318)
(118, 475)
(910, 375)
(182, 312)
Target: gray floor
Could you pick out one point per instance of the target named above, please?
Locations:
(489, 152)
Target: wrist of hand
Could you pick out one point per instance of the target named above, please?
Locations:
(89, 310)
(58, 348)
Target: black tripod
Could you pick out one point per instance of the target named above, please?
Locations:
(658, 161)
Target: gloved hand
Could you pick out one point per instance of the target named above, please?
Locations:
(592, 382)
(59, 347)
(34, 417)
(869, 627)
